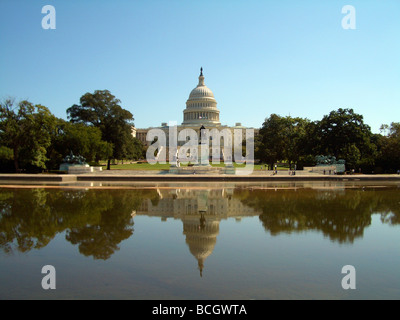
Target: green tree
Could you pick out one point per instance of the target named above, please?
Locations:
(389, 148)
(309, 144)
(102, 110)
(272, 140)
(344, 134)
(295, 138)
(282, 138)
(25, 129)
(78, 138)
(6, 159)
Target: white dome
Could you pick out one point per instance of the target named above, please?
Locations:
(201, 107)
(201, 92)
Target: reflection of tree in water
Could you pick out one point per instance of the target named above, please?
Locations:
(341, 215)
(389, 209)
(113, 225)
(99, 220)
(96, 220)
(26, 221)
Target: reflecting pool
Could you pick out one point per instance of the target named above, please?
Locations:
(201, 240)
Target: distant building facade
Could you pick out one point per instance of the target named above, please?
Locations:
(201, 112)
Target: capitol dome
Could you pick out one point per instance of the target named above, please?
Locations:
(201, 92)
(201, 107)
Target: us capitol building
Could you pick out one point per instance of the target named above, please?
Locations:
(201, 112)
(201, 211)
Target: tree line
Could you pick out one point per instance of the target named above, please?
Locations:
(341, 134)
(32, 139)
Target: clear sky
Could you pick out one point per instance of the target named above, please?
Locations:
(259, 57)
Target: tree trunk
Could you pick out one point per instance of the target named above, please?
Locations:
(16, 165)
(109, 164)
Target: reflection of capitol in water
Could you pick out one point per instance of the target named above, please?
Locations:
(201, 211)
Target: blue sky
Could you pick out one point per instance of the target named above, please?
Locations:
(259, 57)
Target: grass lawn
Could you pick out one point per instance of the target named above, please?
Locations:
(158, 166)
(135, 166)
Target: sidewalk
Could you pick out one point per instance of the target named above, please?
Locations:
(155, 175)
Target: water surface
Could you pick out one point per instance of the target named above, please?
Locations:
(201, 241)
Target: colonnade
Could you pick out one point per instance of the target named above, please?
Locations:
(201, 115)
